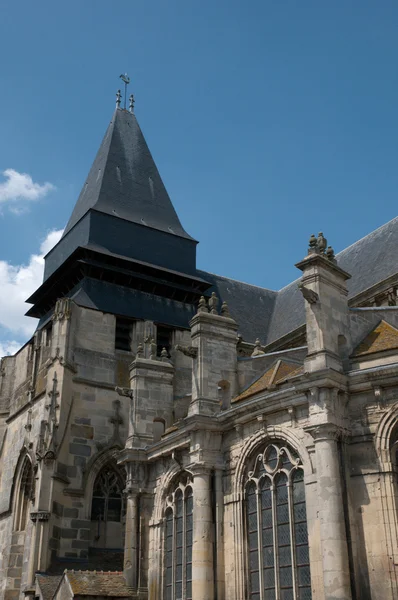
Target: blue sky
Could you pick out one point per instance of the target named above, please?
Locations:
(268, 120)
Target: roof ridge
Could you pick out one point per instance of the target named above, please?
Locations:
(365, 236)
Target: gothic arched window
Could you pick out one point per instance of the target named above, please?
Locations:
(24, 495)
(178, 543)
(107, 496)
(276, 521)
(107, 508)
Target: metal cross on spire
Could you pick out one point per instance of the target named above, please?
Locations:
(126, 80)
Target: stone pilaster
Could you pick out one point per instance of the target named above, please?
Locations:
(151, 383)
(135, 464)
(40, 516)
(214, 360)
(203, 534)
(130, 543)
(323, 285)
(336, 575)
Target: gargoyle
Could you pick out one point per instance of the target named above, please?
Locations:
(190, 351)
(309, 295)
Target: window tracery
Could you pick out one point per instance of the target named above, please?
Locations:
(178, 543)
(278, 554)
(107, 503)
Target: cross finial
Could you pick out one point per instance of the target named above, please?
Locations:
(132, 100)
(118, 98)
(126, 80)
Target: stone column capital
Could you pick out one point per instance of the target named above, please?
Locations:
(325, 431)
(200, 468)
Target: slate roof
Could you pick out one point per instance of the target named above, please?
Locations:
(95, 583)
(124, 181)
(275, 375)
(369, 261)
(251, 306)
(382, 337)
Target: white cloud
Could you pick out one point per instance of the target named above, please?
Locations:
(8, 348)
(17, 283)
(19, 187)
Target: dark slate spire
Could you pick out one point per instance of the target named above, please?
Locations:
(124, 250)
(124, 181)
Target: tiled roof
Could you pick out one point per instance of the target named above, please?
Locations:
(277, 374)
(382, 337)
(48, 585)
(98, 583)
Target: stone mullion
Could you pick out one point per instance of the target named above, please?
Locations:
(275, 539)
(292, 534)
(241, 549)
(156, 562)
(260, 541)
(174, 550)
(184, 544)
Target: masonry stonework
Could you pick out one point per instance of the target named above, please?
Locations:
(195, 437)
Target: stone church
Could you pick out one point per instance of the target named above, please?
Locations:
(171, 434)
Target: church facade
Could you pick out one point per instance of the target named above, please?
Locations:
(170, 434)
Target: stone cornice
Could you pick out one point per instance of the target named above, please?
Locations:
(151, 365)
(319, 260)
(214, 320)
(364, 379)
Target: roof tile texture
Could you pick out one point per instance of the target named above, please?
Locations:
(94, 583)
(277, 374)
(382, 337)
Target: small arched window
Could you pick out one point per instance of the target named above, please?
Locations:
(278, 556)
(24, 495)
(107, 496)
(107, 509)
(178, 543)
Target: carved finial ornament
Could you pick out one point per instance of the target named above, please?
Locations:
(140, 350)
(312, 243)
(258, 350)
(319, 246)
(225, 310)
(118, 98)
(321, 243)
(330, 253)
(132, 101)
(153, 349)
(202, 306)
(213, 303)
(164, 355)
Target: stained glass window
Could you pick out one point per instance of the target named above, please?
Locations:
(178, 544)
(276, 524)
